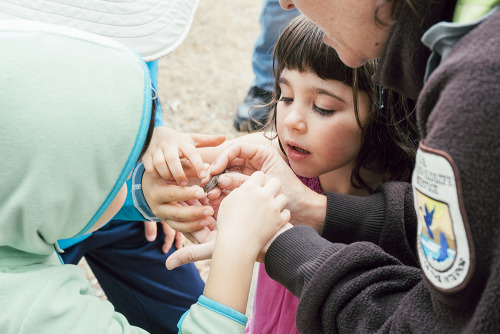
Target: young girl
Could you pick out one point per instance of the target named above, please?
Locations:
(332, 127)
(338, 132)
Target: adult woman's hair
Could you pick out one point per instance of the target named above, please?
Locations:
(389, 134)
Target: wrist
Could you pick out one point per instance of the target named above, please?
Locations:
(230, 275)
(309, 208)
(240, 245)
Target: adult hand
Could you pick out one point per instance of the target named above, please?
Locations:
(172, 154)
(168, 201)
(306, 206)
(171, 235)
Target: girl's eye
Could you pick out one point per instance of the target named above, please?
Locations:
(286, 99)
(323, 112)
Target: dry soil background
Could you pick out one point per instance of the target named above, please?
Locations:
(203, 81)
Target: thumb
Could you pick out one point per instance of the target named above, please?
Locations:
(201, 140)
(190, 254)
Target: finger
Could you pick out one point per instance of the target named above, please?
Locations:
(217, 200)
(171, 156)
(285, 217)
(237, 150)
(190, 254)
(202, 236)
(212, 223)
(150, 230)
(256, 179)
(282, 201)
(214, 194)
(179, 240)
(222, 161)
(167, 193)
(190, 153)
(190, 237)
(161, 165)
(201, 140)
(169, 238)
(147, 160)
(186, 227)
(273, 186)
(230, 181)
(179, 213)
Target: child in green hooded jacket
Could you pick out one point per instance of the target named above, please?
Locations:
(77, 115)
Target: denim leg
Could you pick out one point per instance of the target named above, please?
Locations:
(273, 20)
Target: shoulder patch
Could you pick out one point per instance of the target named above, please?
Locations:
(444, 242)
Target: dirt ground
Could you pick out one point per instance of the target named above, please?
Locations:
(203, 81)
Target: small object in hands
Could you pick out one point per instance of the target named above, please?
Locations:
(214, 180)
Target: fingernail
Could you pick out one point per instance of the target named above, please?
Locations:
(204, 223)
(224, 181)
(199, 194)
(203, 174)
(183, 183)
(207, 213)
(172, 264)
(150, 237)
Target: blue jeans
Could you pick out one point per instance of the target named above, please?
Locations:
(273, 20)
(132, 273)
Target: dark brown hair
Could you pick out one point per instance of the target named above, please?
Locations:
(418, 7)
(389, 135)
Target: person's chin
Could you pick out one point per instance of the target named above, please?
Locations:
(351, 60)
(346, 56)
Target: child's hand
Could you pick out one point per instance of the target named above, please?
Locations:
(250, 215)
(166, 201)
(168, 147)
(171, 235)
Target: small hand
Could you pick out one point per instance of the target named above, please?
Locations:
(248, 217)
(203, 246)
(172, 154)
(166, 200)
(150, 230)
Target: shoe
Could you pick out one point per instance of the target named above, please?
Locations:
(252, 119)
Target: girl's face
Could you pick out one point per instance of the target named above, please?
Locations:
(349, 26)
(316, 123)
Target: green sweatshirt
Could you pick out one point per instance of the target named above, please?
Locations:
(75, 110)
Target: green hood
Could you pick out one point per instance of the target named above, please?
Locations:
(75, 112)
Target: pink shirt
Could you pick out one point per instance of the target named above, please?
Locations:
(274, 307)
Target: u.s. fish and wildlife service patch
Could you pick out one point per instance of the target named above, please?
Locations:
(444, 241)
